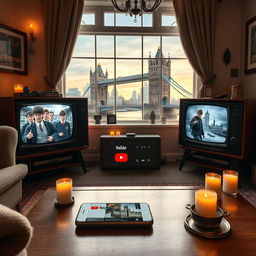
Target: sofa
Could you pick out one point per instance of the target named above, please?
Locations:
(11, 174)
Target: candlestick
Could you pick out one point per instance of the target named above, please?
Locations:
(230, 182)
(112, 133)
(206, 203)
(64, 190)
(213, 182)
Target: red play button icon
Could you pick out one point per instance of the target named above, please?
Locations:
(121, 157)
(94, 207)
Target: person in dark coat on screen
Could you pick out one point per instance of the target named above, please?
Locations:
(62, 127)
(196, 125)
(29, 117)
(39, 131)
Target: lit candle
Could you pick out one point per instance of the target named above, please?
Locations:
(18, 88)
(230, 182)
(112, 133)
(213, 182)
(118, 133)
(64, 190)
(31, 28)
(206, 203)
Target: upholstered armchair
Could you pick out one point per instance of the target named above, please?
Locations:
(11, 174)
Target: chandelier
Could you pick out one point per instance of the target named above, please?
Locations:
(136, 7)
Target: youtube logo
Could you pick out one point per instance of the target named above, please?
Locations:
(94, 207)
(121, 157)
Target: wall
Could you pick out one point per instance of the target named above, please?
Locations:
(228, 34)
(249, 81)
(18, 15)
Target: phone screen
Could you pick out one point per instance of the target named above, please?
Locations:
(114, 213)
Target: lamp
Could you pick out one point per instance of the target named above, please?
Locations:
(136, 7)
(31, 32)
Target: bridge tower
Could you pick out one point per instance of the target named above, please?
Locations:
(159, 89)
(100, 91)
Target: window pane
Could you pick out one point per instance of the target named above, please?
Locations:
(129, 83)
(168, 20)
(182, 80)
(172, 45)
(151, 45)
(109, 19)
(105, 46)
(105, 81)
(145, 82)
(147, 20)
(88, 19)
(124, 20)
(128, 46)
(85, 46)
(78, 78)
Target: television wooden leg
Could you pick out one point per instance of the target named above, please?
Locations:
(184, 158)
(81, 160)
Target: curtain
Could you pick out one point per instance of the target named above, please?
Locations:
(196, 21)
(61, 24)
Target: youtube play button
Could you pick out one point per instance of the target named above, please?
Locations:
(121, 157)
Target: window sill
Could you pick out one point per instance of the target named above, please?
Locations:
(137, 124)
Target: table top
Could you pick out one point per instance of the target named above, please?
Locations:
(55, 231)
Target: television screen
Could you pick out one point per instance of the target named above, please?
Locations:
(45, 123)
(207, 123)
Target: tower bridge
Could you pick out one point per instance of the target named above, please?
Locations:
(160, 83)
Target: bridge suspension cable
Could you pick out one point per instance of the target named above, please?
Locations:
(177, 87)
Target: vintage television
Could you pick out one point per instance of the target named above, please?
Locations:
(70, 135)
(227, 126)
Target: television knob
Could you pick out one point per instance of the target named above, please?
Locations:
(233, 141)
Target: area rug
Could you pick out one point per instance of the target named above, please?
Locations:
(32, 198)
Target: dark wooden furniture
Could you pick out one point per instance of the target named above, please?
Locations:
(55, 232)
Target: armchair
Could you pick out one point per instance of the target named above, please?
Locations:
(11, 174)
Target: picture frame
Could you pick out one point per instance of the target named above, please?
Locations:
(13, 50)
(111, 119)
(250, 46)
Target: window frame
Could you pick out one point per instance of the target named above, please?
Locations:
(100, 29)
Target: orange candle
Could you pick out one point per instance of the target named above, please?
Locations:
(213, 182)
(18, 88)
(206, 203)
(64, 190)
(112, 133)
(118, 133)
(230, 182)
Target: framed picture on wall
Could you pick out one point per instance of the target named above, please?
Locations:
(250, 46)
(13, 50)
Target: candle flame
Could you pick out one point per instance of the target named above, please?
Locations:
(205, 194)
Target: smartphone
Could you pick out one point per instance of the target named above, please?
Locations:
(114, 214)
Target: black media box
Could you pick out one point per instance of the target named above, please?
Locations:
(138, 151)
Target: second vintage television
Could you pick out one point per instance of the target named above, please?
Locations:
(218, 126)
(64, 126)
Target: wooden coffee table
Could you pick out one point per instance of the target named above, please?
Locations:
(55, 232)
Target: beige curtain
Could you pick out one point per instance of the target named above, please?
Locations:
(61, 24)
(196, 23)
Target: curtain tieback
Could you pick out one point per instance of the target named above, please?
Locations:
(209, 81)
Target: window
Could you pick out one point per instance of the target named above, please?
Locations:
(130, 69)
